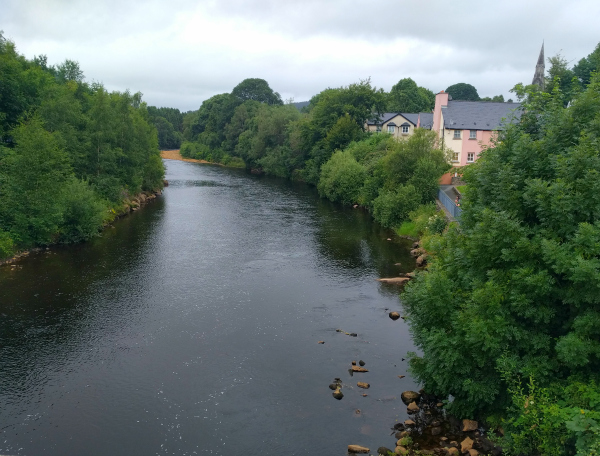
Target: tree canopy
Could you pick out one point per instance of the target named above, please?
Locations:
(258, 90)
(406, 96)
(463, 91)
(514, 291)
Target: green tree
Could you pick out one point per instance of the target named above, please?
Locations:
(342, 178)
(463, 91)
(258, 90)
(515, 287)
(588, 65)
(406, 96)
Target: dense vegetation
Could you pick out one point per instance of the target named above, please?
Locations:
(508, 315)
(70, 152)
(327, 146)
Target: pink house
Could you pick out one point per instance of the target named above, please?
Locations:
(465, 128)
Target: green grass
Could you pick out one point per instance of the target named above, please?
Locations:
(461, 188)
(408, 229)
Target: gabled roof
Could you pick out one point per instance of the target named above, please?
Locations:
(479, 115)
(387, 116)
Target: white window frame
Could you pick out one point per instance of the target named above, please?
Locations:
(456, 134)
(472, 134)
(391, 129)
(405, 129)
(470, 157)
(455, 157)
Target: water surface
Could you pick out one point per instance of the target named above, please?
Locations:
(191, 327)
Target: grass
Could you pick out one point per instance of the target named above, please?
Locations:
(408, 229)
(461, 188)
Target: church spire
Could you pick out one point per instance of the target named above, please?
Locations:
(540, 69)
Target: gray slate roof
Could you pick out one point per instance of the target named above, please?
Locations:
(386, 116)
(427, 120)
(478, 115)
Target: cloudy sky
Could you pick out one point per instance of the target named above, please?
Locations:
(179, 53)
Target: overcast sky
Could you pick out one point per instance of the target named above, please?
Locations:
(179, 53)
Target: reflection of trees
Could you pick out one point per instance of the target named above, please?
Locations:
(45, 304)
(352, 239)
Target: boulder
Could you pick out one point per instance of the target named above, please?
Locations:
(401, 434)
(409, 423)
(422, 260)
(416, 245)
(417, 252)
(400, 450)
(354, 363)
(409, 396)
(383, 451)
(394, 315)
(469, 425)
(338, 394)
(321, 342)
(401, 376)
(357, 449)
(413, 407)
(452, 451)
(436, 430)
(473, 452)
(333, 386)
(361, 363)
(466, 445)
(359, 369)
(363, 385)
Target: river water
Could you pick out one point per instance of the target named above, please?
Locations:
(191, 327)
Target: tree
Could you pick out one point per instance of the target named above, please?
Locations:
(406, 96)
(561, 77)
(586, 66)
(69, 71)
(514, 290)
(463, 91)
(258, 90)
(342, 178)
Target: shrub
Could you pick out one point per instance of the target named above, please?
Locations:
(342, 178)
(391, 208)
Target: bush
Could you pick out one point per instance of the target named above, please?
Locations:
(83, 214)
(391, 208)
(342, 178)
(6, 245)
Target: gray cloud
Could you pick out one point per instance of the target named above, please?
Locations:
(180, 53)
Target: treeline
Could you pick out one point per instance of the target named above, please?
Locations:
(70, 152)
(507, 316)
(326, 146)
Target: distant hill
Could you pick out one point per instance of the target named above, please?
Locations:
(301, 104)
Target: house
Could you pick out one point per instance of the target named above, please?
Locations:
(398, 124)
(465, 128)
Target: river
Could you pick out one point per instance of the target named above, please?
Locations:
(192, 327)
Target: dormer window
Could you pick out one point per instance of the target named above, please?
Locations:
(390, 128)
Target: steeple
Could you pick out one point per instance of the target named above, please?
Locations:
(540, 69)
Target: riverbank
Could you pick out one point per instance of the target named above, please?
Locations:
(176, 155)
(127, 206)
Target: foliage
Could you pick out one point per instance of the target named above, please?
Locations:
(406, 96)
(463, 91)
(342, 178)
(69, 150)
(392, 207)
(258, 90)
(552, 421)
(519, 279)
(588, 65)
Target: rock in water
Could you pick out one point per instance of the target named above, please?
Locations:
(466, 445)
(357, 449)
(359, 369)
(383, 451)
(333, 386)
(413, 407)
(321, 342)
(409, 396)
(354, 363)
(338, 394)
(394, 315)
(361, 363)
(469, 425)
(363, 385)
(400, 450)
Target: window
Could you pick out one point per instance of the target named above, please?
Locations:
(378, 129)
(456, 134)
(404, 129)
(470, 157)
(454, 156)
(473, 134)
(390, 129)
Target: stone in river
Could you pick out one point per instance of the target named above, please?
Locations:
(413, 407)
(359, 369)
(361, 363)
(338, 394)
(409, 396)
(383, 451)
(466, 445)
(394, 315)
(333, 386)
(321, 342)
(363, 385)
(354, 363)
(357, 449)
